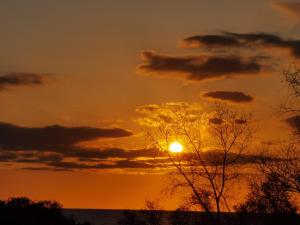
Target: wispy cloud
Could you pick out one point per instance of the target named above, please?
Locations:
(56, 148)
(290, 9)
(198, 68)
(294, 122)
(54, 137)
(22, 79)
(230, 96)
(243, 41)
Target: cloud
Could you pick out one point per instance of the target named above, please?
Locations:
(7, 156)
(289, 9)
(216, 157)
(230, 96)
(154, 115)
(22, 79)
(56, 148)
(94, 159)
(121, 164)
(112, 153)
(209, 41)
(238, 40)
(215, 121)
(198, 68)
(244, 40)
(34, 147)
(294, 122)
(55, 138)
(212, 158)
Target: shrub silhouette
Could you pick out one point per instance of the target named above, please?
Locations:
(130, 218)
(182, 216)
(152, 214)
(268, 203)
(23, 211)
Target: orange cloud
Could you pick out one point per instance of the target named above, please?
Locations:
(287, 9)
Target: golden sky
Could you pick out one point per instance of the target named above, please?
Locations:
(74, 71)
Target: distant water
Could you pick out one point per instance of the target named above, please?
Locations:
(111, 217)
(95, 216)
(103, 216)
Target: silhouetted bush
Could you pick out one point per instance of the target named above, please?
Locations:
(152, 214)
(23, 211)
(130, 218)
(268, 203)
(182, 216)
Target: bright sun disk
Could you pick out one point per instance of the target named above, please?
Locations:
(175, 147)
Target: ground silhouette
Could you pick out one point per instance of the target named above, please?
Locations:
(23, 211)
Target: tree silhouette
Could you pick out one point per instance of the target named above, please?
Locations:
(130, 218)
(213, 143)
(23, 211)
(269, 196)
(152, 213)
(269, 203)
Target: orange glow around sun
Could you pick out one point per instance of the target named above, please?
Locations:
(175, 147)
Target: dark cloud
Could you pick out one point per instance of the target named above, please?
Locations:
(85, 155)
(294, 122)
(216, 121)
(56, 147)
(209, 41)
(231, 96)
(54, 138)
(34, 146)
(36, 157)
(237, 40)
(121, 164)
(21, 79)
(240, 121)
(112, 153)
(212, 158)
(7, 156)
(216, 158)
(198, 68)
(244, 40)
(44, 169)
(50, 157)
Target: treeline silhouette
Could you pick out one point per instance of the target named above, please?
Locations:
(268, 203)
(182, 217)
(23, 211)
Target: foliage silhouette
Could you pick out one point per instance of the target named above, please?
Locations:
(23, 211)
(268, 202)
(152, 214)
(130, 218)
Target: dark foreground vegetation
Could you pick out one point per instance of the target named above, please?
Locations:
(181, 217)
(266, 204)
(23, 211)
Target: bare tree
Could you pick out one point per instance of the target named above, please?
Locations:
(284, 166)
(213, 143)
(292, 80)
(152, 213)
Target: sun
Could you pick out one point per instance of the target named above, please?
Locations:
(175, 147)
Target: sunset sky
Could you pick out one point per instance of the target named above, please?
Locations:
(75, 75)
